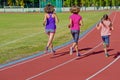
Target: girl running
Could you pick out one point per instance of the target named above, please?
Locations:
(50, 20)
(75, 22)
(106, 26)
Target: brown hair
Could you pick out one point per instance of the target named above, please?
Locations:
(105, 17)
(49, 8)
(75, 9)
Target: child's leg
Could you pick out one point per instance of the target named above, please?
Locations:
(105, 49)
(106, 45)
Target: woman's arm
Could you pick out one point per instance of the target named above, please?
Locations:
(45, 18)
(56, 18)
(70, 23)
(81, 22)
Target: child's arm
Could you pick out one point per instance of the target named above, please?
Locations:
(111, 26)
(98, 26)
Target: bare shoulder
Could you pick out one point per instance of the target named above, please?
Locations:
(46, 15)
(54, 15)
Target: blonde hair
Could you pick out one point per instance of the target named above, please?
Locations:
(75, 9)
(49, 9)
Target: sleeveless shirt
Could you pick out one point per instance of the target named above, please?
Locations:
(50, 22)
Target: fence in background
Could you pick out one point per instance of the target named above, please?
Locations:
(64, 9)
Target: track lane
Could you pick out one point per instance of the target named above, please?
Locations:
(73, 72)
(35, 66)
(23, 70)
(112, 70)
(31, 68)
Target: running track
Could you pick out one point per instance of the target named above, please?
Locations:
(93, 65)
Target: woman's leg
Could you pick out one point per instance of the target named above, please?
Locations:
(51, 36)
(49, 43)
(75, 35)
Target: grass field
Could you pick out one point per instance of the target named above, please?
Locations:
(22, 34)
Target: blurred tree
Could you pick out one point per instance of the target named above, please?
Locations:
(66, 3)
(83, 2)
(10, 2)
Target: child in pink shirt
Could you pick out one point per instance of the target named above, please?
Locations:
(106, 26)
(75, 22)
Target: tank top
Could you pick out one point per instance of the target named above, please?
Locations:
(50, 22)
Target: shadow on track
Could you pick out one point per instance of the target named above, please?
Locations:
(92, 53)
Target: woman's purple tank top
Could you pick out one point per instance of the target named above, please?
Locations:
(50, 22)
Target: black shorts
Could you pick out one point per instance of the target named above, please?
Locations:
(75, 35)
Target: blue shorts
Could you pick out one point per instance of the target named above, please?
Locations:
(106, 39)
(75, 35)
(50, 31)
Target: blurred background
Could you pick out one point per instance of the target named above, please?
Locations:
(60, 5)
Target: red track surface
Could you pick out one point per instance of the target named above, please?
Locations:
(93, 65)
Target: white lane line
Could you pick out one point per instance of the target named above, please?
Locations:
(114, 17)
(62, 64)
(23, 62)
(19, 39)
(103, 69)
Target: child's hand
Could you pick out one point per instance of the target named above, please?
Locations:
(111, 28)
(97, 24)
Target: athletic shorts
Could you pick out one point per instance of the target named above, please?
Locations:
(50, 31)
(75, 35)
(106, 39)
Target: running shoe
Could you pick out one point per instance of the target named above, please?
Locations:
(53, 51)
(106, 54)
(78, 54)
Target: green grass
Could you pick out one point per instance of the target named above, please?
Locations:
(23, 35)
